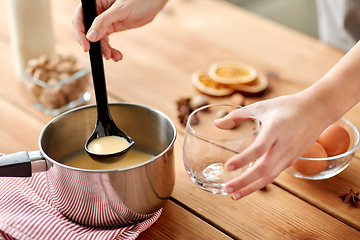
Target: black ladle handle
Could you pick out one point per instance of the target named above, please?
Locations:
(96, 61)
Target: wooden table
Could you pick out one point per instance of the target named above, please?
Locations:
(159, 59)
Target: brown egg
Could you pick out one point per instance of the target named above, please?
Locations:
(312, 167)
(335, 139)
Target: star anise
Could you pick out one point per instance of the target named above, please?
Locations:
(184, 110)
(350, 197)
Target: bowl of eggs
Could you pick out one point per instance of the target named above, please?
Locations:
(330, 154)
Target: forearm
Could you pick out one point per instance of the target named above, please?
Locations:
(338, 91)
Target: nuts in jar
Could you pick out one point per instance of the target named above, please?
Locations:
(56, 84)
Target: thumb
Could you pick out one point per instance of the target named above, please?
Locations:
(225, 123)
(103, 22)
(234, 118)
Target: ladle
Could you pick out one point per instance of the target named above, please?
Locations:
(105, 125)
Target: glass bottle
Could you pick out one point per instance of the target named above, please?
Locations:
(31, 31)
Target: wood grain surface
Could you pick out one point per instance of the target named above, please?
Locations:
(159, 59)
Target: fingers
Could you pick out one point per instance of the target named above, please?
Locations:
(83, 40)
(263, 142)
(225, 123)
(259, 184)
(108, 51)
(233, 118)
(272, 158)
(255, 178)
(263, 172)
(265, 151)
(116, 55)
(79, 28)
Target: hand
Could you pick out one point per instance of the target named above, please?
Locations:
(114, 16)
(288, 128)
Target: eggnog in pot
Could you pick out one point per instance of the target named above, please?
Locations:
(31, 31)
(83, 161)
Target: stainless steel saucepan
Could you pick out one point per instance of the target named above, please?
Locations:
(102, 198)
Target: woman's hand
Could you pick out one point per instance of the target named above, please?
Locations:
(114, 16)
(288, 129)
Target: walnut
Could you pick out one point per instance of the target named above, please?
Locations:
(42, 60)
(52, 97)
(41, 74)
(70, 91)
(33, 63)
(52, 65)
(64, 67)
(62, 75)
(68, 58)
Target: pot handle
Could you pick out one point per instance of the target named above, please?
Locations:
(22, 164)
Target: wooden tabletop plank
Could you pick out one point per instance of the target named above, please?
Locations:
(176, 223)
(324, 194)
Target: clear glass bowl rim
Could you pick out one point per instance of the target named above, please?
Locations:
(190, 129)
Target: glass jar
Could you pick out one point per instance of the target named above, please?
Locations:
(57, 84)
(31, 31)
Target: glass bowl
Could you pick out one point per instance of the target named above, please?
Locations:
(206, 148)
(334, 164)
(56, 89)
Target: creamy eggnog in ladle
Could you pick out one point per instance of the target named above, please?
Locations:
(108, 145)
(83, 161)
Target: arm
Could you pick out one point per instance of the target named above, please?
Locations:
(291, 124)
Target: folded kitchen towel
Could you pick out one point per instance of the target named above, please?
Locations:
(26, 213)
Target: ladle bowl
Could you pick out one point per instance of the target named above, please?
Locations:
(100, 131)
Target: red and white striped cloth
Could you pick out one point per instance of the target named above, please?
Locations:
(26, 213)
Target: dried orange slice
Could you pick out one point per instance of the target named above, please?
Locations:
(205, 84)
(258, 85)
(229, 72)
